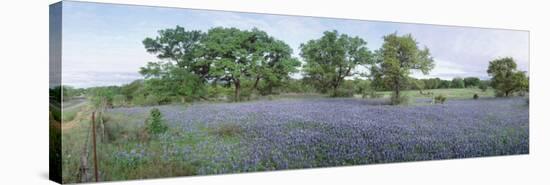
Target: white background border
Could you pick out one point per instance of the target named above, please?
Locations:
(24, 80)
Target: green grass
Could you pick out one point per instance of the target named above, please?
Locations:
(123, 135)
(68, 115)
(465, 93)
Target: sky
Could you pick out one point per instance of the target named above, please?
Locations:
(102, 43)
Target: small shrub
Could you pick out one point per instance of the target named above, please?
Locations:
(476, 96)
(113, 131)
(440, 99)
(155, 123)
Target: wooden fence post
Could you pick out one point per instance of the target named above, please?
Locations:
(94, 146)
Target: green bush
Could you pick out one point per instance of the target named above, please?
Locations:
(440, 99)
(476, 96)
(56, 112)
(119, 100)
(138, 100)
(155, 123)
(347, 89)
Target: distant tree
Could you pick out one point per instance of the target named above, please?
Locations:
(484, 85)
(471, 82)
(431, 83)
(398, 56)
(70, 92)
(132, 89)
(444, 84)
(505, 78)
(457, 82)
(167, 81)
(333, 57)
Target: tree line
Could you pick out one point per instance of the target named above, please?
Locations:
(237, 63)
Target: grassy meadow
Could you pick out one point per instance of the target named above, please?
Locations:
(292, 131)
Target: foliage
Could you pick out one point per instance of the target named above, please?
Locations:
(444, 84)
(239, 55)
(168, 81)
(457, 82)
(395, 60)
(373, 94)
(431, 83)
(119, 100)
(297, 86)
(505, 78)
(484, 85)
(132, 89)
(55, 112)
(70, 92)
(345, 90)
(155, 124)
(440, 99)
(400, 99)
(331, 58)
(471, 82)
(102, 96)
(476, 96)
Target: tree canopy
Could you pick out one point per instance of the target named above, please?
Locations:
(505, 78)
(331, 58)
(397, 58)
(189, 59)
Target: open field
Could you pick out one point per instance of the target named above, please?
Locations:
(461, 93)
(213, 138)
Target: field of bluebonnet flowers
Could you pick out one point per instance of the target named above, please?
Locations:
(213, 138)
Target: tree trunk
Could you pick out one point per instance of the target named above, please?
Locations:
(256, 83)
(237, 90)
(397, 91)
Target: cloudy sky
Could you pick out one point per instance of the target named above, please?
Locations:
(102, 42)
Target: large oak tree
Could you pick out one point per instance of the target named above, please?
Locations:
(331, 58)
(505, 78)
